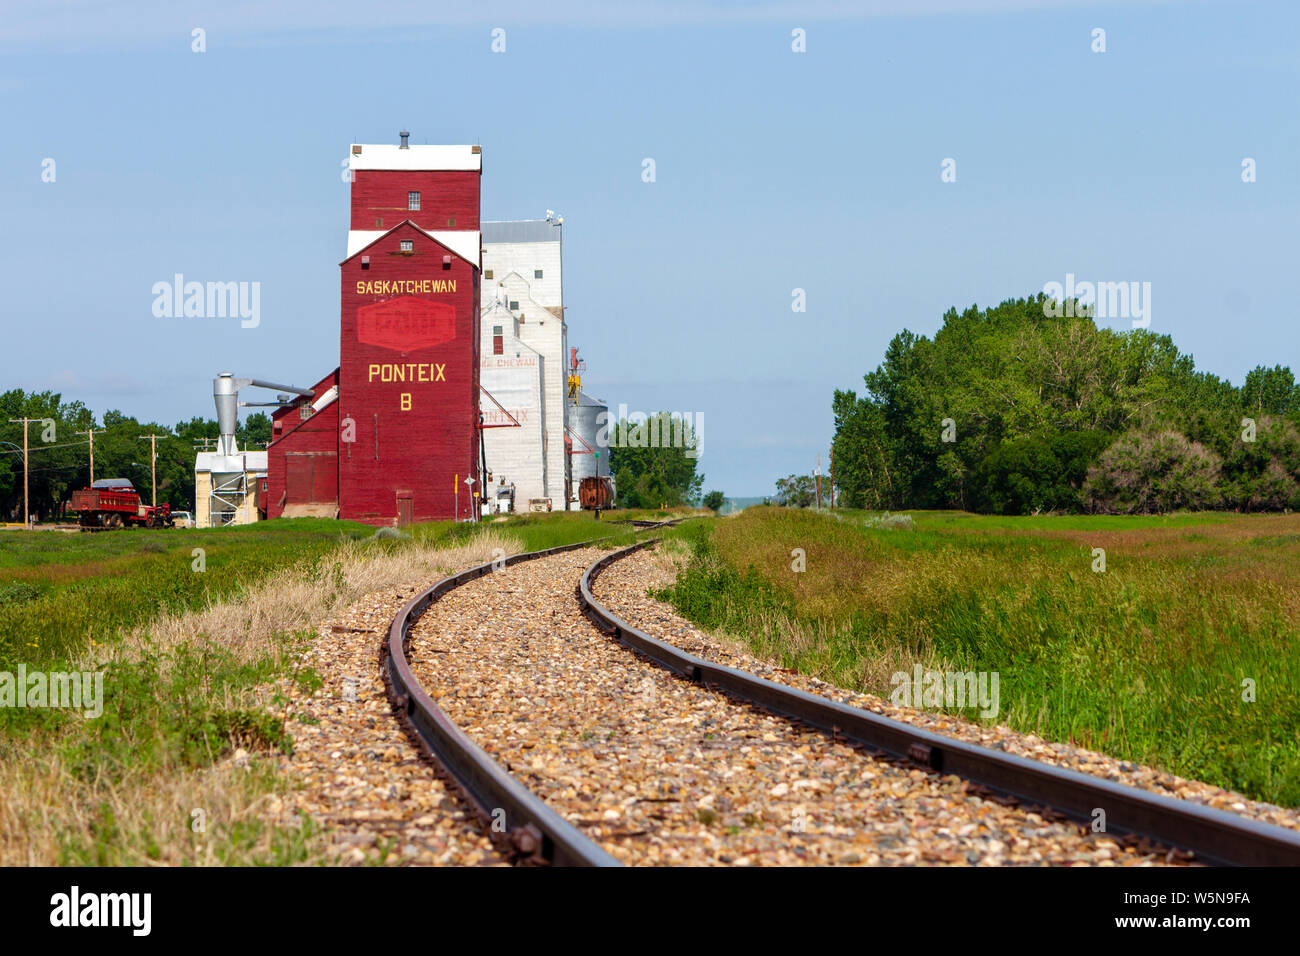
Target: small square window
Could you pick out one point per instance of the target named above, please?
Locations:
(496, 330)
(514, 304)
(413, 201)
(408, 245)
(537, 273)
(487, 273)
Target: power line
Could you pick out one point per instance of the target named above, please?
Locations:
(70, 444)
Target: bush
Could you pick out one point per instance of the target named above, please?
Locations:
(890, 522)
(1144, 473)
(1035, 473)
(1261, 475)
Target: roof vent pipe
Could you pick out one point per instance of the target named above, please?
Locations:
(405, 136)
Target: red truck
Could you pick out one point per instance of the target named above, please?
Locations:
(114, 503)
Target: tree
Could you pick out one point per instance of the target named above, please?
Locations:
(796, 491)
(714, 500)
(862, 454)
(254, 431)
(1145, 472)
(1271, 391)
(655, 462)
(1044, 471)
(1007, 409)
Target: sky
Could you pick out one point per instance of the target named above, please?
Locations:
(774, 171)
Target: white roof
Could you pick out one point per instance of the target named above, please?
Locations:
(463, 242)
(254, 461)
(386, 156)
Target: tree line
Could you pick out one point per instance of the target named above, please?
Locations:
(1011, 410)
(59, 452)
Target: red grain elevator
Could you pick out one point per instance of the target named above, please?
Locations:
(407, 407)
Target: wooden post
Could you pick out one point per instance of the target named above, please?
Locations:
(830, 459)
(153, 465)
(26, 510)
(92, 433)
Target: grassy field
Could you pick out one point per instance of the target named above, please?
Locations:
(1148, 661)
(187, 656)
(61, 592)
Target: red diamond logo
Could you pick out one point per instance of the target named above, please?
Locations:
(406, 323)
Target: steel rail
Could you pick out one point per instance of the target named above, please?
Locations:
(519, 822)
(1214, 836)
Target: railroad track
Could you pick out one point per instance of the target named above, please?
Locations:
(520, 825)
(528, 830)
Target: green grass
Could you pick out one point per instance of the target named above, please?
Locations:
(964, 520)
(168, 714)
(1145, 661)
(61, 592)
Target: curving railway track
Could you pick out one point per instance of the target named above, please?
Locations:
(578, 739)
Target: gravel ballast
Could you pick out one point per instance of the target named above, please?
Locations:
(658, 770)
(623, 587)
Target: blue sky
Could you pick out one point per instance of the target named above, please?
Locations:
(774, 171)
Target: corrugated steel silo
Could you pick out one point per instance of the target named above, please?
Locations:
(588, 420)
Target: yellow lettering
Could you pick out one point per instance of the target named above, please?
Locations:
(386, 374)
(399, 373)
(406, 401)
(424, 372)
(405, 286)
(440, 378)
(374, 370)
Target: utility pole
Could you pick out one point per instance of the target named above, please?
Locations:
(818, 474)
(153, 465)
(27, 523)
(90, 432)
(830, 460)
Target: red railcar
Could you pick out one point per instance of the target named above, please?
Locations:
(114, 503)
(596, 494)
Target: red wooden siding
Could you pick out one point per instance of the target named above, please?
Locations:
(292, 437)
(408, 378)
(381, 194)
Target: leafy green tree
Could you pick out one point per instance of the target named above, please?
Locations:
(254, 432)
(1271, 391)
(655, 462)
(714, 500)
(1007, 408)
(796, 491)
(1039, 472)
